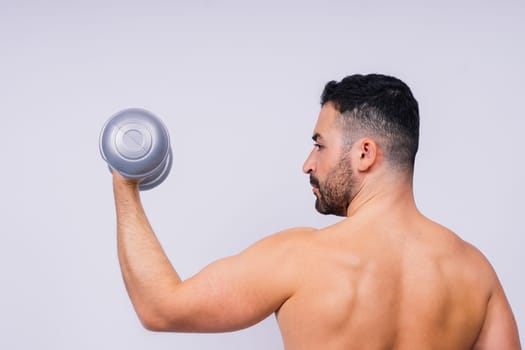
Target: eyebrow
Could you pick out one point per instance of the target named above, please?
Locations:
(316, 136)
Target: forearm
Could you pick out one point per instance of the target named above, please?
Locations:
(148, 274)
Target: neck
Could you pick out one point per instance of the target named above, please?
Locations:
(389, 196)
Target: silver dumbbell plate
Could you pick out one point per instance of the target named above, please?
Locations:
(136, 143)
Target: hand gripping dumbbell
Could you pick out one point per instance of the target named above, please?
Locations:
(136, 143)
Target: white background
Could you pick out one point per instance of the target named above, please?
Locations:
(238, 86)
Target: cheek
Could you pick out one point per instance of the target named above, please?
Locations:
(327, 161)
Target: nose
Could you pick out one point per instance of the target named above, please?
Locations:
(309, 164)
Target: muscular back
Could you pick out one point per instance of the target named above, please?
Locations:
(397, 285)
(384, 278)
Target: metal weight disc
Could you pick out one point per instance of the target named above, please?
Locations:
(136, 144)
(158, 177)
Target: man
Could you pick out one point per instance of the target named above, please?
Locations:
(385, 277)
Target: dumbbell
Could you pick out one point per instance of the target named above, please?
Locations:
(136, 143)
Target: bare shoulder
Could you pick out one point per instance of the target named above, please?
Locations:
(292, 234)
(499, 329)
(463, 254)
(283, 254)
(283, 242)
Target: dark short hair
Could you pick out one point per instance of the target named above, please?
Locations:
(382, 106)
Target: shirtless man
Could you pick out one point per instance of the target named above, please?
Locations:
(385, 277)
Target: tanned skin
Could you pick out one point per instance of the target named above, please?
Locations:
(385, 277)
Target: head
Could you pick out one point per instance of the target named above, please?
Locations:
(366, 122)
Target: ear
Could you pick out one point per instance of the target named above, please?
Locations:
(367, 154)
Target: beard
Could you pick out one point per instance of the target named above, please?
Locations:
(335, 193)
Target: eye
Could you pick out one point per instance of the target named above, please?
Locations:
(318, 146)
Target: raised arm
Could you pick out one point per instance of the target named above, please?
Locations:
(230, 294)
